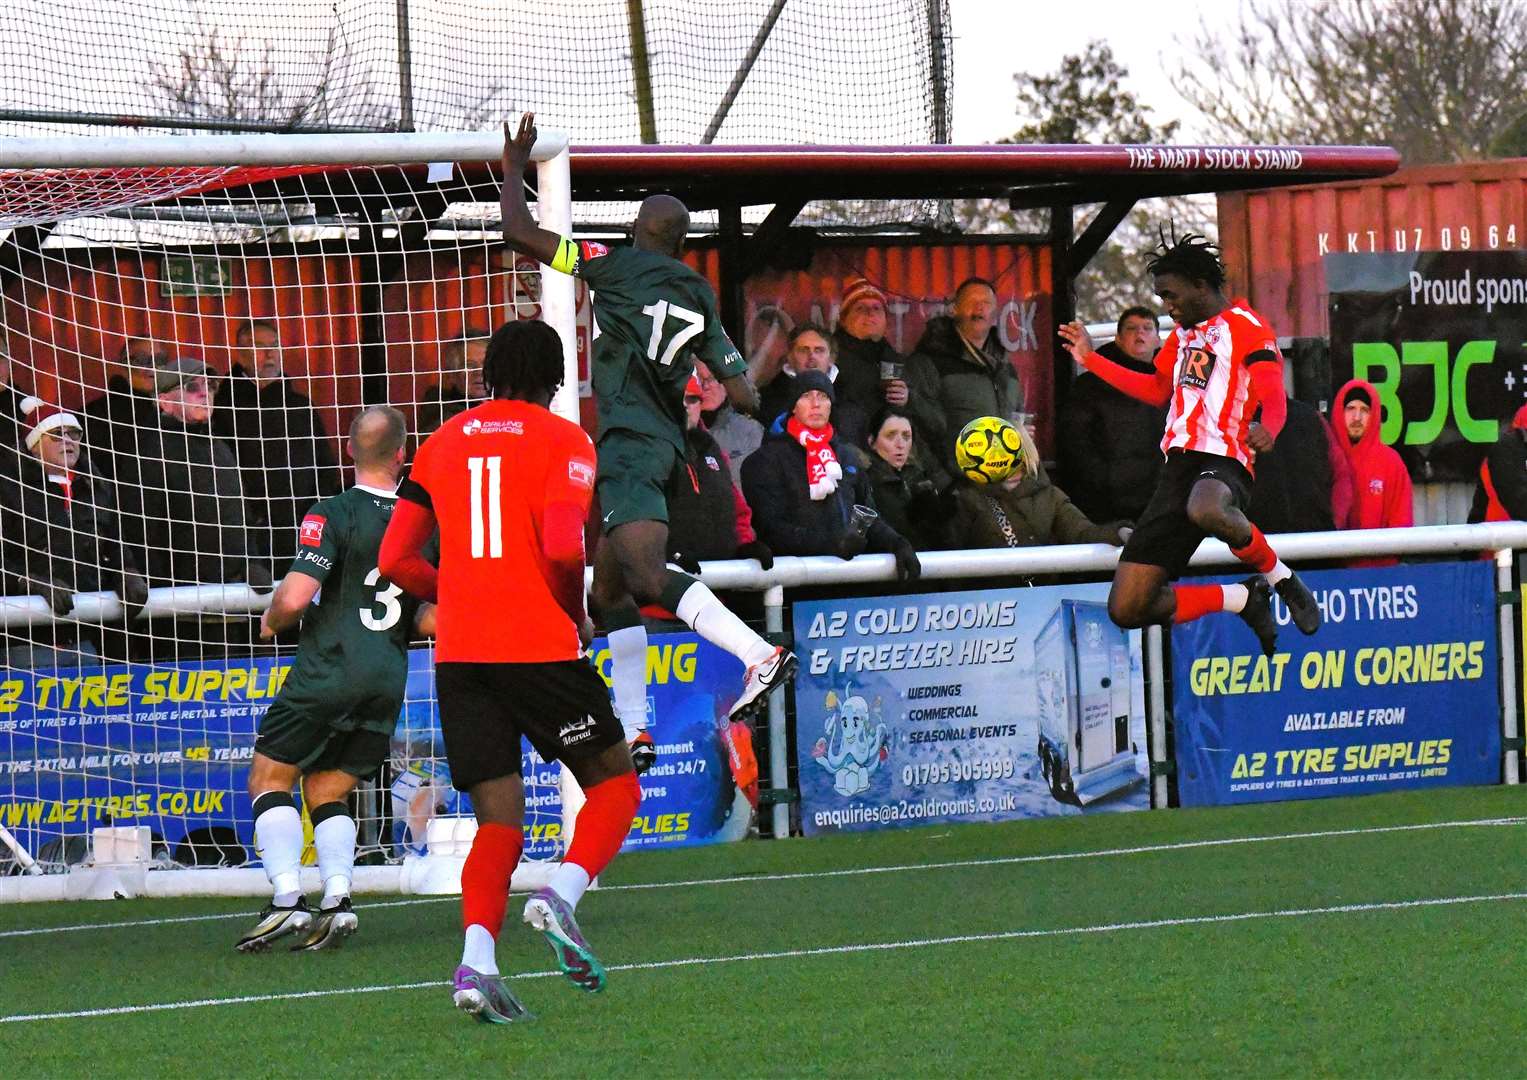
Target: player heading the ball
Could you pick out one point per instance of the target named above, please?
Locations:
(655, 316)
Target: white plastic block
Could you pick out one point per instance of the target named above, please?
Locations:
(450, 835)
(121, 844)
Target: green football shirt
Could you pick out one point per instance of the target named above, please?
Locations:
(656, 316)
(355, 634)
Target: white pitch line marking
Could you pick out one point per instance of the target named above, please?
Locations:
(1006, 860)
(791, 954)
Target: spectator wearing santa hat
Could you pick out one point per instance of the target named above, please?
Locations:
(60, 534)
(873, 375)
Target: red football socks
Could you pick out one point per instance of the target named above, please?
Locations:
(603, 822)
(485, 876)
(1196, 601)
(1257, 554)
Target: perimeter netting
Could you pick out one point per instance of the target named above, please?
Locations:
(307, 293)
(616, 71)
(826, 72)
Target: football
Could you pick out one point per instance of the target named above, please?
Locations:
(988, 450)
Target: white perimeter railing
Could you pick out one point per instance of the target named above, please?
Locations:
(791, 572)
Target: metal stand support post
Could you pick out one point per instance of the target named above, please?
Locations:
(1508, 713)
(1155, 681)
(779, 758)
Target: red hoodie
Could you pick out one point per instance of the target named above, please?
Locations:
(1382, 495)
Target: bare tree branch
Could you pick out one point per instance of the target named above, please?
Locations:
(1439, 80)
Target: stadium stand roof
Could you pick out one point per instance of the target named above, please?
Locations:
(1031, 175)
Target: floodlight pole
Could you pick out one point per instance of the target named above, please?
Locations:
(743, 71)
(641, 70)
(405, 71)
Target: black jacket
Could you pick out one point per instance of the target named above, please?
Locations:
(967, 387)
(702, 506)
(285, 460)
(859, 381)
(10, 415)
(76, 541)
(1110, 444)
(113, 420)
(908, 500)
(1292, 491)
(181, 500)
(784, 513)
(1507, 460)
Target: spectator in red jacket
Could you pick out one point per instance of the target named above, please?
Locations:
(707, 515)
(1382, 496)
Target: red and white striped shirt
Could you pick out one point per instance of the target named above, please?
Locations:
(1212, 396)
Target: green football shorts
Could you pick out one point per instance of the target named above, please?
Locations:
(292, 737)
(632, 480)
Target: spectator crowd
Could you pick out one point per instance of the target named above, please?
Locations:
(178, 475)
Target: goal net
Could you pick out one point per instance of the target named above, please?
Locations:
(195, 322)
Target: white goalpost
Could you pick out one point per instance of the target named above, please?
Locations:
(302, 277)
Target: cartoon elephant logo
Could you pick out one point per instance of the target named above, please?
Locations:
(852, 749)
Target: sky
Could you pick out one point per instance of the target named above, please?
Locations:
(996, 38)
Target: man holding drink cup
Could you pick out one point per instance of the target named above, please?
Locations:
(872, 374)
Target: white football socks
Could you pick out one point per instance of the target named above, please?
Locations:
(334, 838)
(477, 950)
(278, 832)
(1277, 573)
(569, 881)
(713, 621)
(628, 674)
(1235, 597)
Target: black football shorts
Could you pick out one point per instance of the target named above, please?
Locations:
(561, 706)
(1165, 536)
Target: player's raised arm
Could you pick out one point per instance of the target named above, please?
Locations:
(521, 232)
(1153, 389)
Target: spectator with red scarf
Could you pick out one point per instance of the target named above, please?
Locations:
(804, 483)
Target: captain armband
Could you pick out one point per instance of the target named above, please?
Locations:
(566, 259)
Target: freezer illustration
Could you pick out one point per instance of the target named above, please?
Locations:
(1081, 667)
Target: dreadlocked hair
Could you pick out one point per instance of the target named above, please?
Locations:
(1192, 256)
(523, 358)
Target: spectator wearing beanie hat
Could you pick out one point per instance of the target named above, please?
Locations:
(873, 375)
(61, 534)
(804, 483)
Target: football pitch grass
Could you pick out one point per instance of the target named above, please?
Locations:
(1358, 937)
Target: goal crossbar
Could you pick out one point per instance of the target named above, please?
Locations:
(184, 151)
